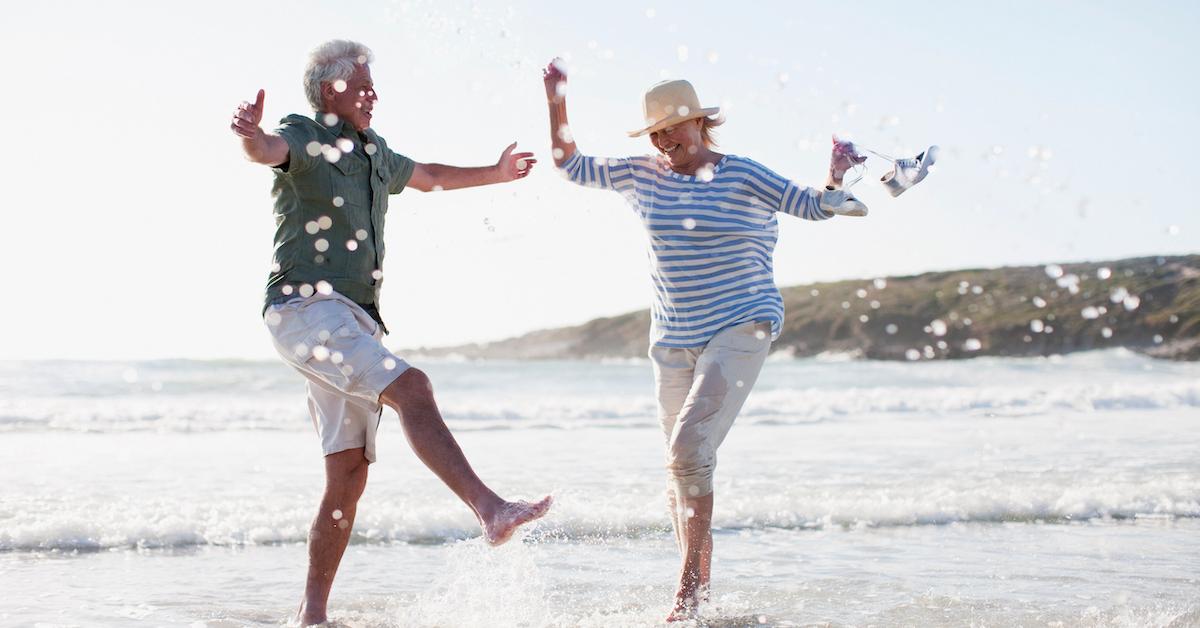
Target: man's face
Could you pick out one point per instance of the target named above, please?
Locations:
(352, 100)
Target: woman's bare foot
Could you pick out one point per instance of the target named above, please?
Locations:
(685, 608)
(511, 516)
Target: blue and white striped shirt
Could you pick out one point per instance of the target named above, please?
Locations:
(711, 239)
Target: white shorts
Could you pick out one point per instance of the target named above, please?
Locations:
(337, 346)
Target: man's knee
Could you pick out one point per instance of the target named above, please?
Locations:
(347, 469)
(413, 385)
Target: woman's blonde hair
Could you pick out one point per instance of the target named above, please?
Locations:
(706, 130)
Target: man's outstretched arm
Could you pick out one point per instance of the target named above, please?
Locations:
(511, 166)
(259, 146)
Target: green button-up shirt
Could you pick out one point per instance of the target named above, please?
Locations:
(331, 197)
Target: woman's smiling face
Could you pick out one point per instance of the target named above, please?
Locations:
(680, 143)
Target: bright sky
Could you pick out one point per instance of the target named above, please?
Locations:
(133, 228)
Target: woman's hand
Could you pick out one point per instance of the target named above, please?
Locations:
(555, 80)
(843, 158)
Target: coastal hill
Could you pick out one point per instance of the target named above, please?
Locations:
(1148, 304)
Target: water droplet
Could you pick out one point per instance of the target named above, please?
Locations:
(740, 384)
(689, 223)
(336, 357)
(1174, 319)
(972, 344)
(976, 289)
(814, 292)
(1158, 339)
(321, 245)
(1118, 294)
(370, 148)
(377, 274)
(320, 353)
(324, 222)
(845, 305)
(345, 145)
(1107, 332)
(330, 119)
(361, 234)
(306, 290)
(337, 514)
(557, 152)
(1039, 302)
(300, 349)
(273, 318)
(891, 329)
(319, 259)
(938, 326)
(912, 355)
(331, 154)
(874, 305)
(863, 318)
(436, 188)
(286, 290)
(1173, 230)
(760, 334)
(351, 245)
(389, 364)
(1131, 302)
(312, 227)
(880, 284)
(1103, 272)
(860, 293)
(1036, 326)
(313, 148)
(705, 173)
(1053, 271)
(324, 287)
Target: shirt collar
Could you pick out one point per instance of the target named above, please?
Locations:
(340, 128)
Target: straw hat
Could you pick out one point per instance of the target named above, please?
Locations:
(668, 103)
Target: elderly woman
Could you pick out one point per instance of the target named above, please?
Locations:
(711, 222)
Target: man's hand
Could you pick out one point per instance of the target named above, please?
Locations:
(512, 166)
(556, 81)
(247, 117)
(260, 147)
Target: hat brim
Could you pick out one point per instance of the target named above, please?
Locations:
(675, 119)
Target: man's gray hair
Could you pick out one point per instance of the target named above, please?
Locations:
(332, 61)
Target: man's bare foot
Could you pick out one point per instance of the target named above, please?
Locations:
(511, 516)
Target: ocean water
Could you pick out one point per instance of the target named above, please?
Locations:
(1057, 491)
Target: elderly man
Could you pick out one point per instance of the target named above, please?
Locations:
(333, 175)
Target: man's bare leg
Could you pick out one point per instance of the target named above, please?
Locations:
(345, 480)
(697, 552)
(411, 396)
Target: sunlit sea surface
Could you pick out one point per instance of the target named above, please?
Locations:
(997, 492)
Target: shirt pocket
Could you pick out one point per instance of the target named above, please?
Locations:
(350, 183)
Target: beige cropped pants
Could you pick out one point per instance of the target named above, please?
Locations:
(700, 392)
